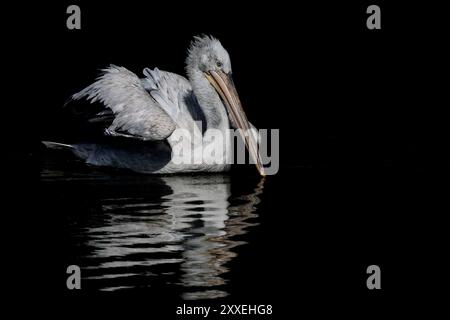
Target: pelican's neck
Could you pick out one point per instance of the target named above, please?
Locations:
(215, 114)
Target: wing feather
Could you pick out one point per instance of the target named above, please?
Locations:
(137, 114)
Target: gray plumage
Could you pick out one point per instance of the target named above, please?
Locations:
(138, 111)
(146, 111)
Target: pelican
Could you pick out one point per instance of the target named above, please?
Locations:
(142, 114)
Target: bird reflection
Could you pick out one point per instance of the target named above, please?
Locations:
(174, 231)
(208, 247)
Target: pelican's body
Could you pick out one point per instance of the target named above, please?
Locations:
(142, 114)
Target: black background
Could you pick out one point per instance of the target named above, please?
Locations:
(361, 119)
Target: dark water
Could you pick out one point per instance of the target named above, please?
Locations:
(293, 240)
(170, 233)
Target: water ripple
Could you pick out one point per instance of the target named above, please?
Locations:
(157, 231)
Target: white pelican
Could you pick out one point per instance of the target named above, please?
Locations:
(143, 114)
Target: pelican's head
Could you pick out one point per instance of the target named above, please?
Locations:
(207, 54)
(209, 57)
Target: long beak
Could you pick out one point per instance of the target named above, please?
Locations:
(224, 85)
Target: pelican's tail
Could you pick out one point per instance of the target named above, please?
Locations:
(57, 145)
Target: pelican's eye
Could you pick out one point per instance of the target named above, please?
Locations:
(219, 64)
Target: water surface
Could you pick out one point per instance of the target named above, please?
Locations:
(142, 232)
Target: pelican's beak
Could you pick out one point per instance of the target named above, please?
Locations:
(223, 83)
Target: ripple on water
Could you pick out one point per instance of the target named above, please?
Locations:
(156, 232)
